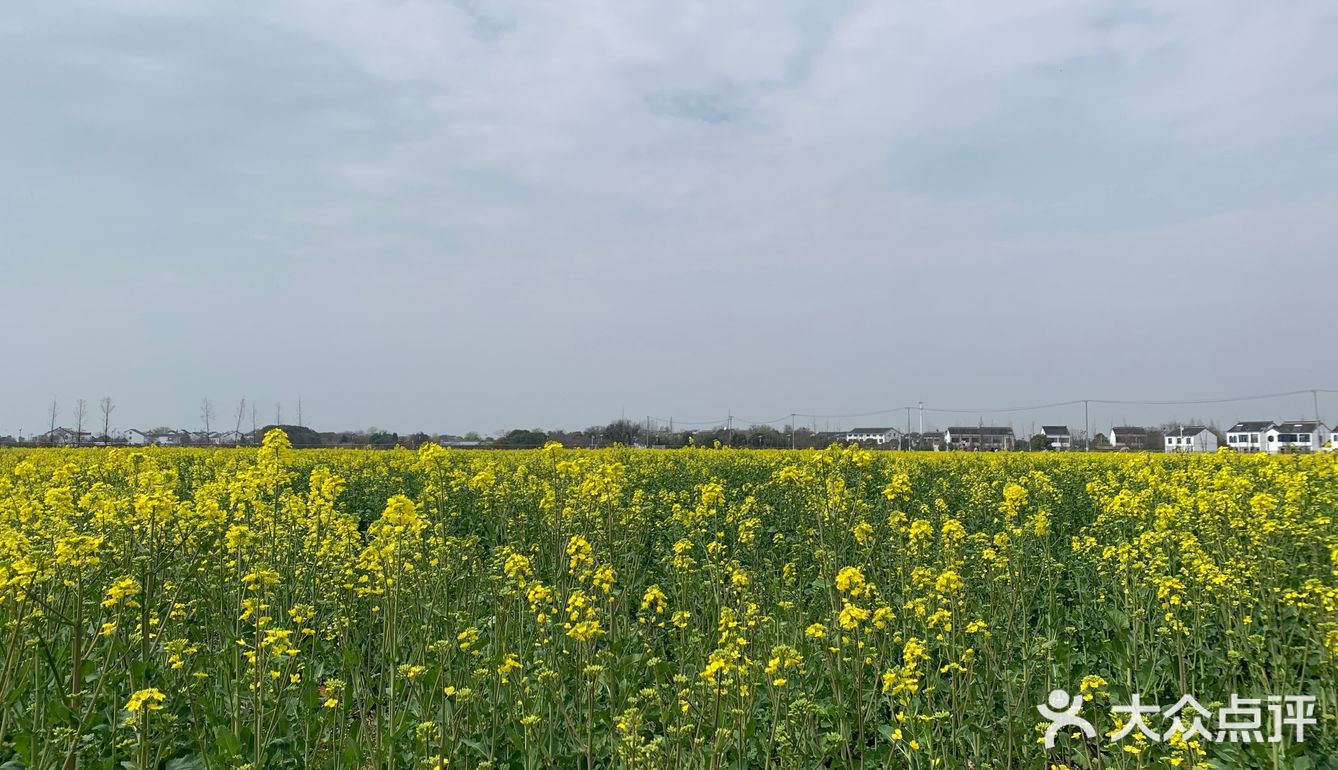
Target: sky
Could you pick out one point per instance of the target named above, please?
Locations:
(455, 216)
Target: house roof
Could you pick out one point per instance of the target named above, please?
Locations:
(1128, 429)
(1298, 426)
(1248, 426)
(155, 433)
(1187, 430)
(1055, 430)
(978, 431)
(870, 430)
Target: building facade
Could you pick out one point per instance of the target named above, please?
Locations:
(1057, 438)
(1248, 436)
(1130, 437)
(979, 439)
(879, 436)
(1296, 436)
(1191, 438)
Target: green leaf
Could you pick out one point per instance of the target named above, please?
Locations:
(227, 740)
(188, 762)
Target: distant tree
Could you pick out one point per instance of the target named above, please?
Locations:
(383, 439)
(523, 438)
(473, 436)
(762, 436)
(804, 438)
(206, 414)
(1038, 443)
(1100, 441)
(107, 406)
(298, 435)
(1156, 440)
(623, 432)
(80, 412)
(577, 438)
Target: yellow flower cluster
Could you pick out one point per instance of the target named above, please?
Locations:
(616, 608)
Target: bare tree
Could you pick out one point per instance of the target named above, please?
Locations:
(54, 412)
(107, 406)
(241, 410)
(80, 412)
(206, 415)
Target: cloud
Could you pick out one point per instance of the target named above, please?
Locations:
(690, 184)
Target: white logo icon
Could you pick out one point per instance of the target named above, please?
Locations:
(1063, 713)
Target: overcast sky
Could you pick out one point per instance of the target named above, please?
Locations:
(456, 216)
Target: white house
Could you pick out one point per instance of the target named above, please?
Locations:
(979, 439)
(1191, 438)
(65, 437)
(1296, 436)
(878, 436)
(1129, 437)
(136, 437)
(1248, 436)
(1057, 437)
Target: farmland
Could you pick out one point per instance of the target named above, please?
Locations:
(698, 608)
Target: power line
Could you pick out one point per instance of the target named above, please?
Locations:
(1191, 402)
(763, 422)
(1038, 407)
(677, 421)
(1013, 409)
(853, 414)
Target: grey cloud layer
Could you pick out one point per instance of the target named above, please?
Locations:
(472, 215)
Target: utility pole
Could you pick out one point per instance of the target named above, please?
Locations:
(54, 412)
(908, 427)
(1314, 395)
(792, 430)
(299, 411)
(922, 419)
(730, 433)
(1086, 428)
